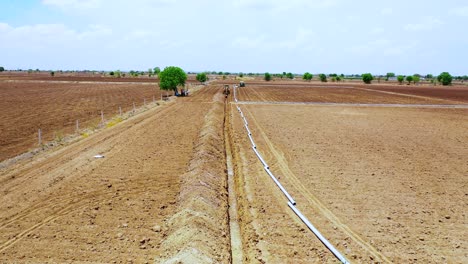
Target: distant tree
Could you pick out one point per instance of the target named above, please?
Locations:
(156, 70)
(284, 73)
(307, 76)
(339, 78)
(323, 77)
(416, 78)
(333, 79)
(111, 73)
(30, 71)
(333, 75)
(224, 77)
(367, 78)
(150, 72)
(227, 73)
(220, 73)
(342, 76)
(172, 77)
(445, 78)
(289, 75)
(390, 74)
(201, 77)
(241, 74)
(52, 73)
(118, 74)
(409, 78)
(400, 78)
(2, 69)
(267, 76)
(429, 76)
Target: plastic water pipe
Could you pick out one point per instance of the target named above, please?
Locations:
(291, 200)
(318, 234)
(253, 143)
(260, 158)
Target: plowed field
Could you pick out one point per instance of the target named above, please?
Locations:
(54, 108)
(180, 183)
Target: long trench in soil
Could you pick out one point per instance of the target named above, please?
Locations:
(236, 241)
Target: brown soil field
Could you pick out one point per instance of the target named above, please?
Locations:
(352, 93)
(180, 183)
(146, 198)
(382, 184)
(54, 108)
(80, 77)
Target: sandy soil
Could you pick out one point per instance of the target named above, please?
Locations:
(382, 184)
(55, 107)
(352, 93)
(66, 206)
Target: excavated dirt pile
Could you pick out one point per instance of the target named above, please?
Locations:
(199, 231)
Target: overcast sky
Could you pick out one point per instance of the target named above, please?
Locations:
(330, 36)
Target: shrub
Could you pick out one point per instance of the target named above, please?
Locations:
(307, 76)
(323, 77)
(445, 78)
(267, 76)
(367, 78)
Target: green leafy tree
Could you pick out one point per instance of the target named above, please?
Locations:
(289, 75)
(367, 78)
(409, 78)
(111, 73)
(52, 73)
(390, 74)
(2, 69)
(429, 76)
(201, 77)
(445, 78)
(400, 78)
(339, 78)
(307, 76)
(416, 78)
(172, 77)
(156, 70)
(323, 77)
(267, 76)
(241, 74)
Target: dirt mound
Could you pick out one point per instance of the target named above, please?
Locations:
(199, 231)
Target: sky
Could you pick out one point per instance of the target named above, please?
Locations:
(317, 36)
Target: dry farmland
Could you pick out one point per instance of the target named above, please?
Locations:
(380, 170)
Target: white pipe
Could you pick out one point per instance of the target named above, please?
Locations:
(245, 121)
(253, 143)
(318, 235)
(248, 130)
(261, 159)
(291, 200)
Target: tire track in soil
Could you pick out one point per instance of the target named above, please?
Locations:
(311, 199)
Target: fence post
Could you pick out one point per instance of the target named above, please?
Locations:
(120, 110)
(102, 116)
(77, 126)
(133, 107)
(40, 136)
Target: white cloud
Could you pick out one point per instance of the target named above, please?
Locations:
(74, 4)
(428, 24)
(460, 11)
(386, 11)
(46, 35)
(280, 5)
(377, 30)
